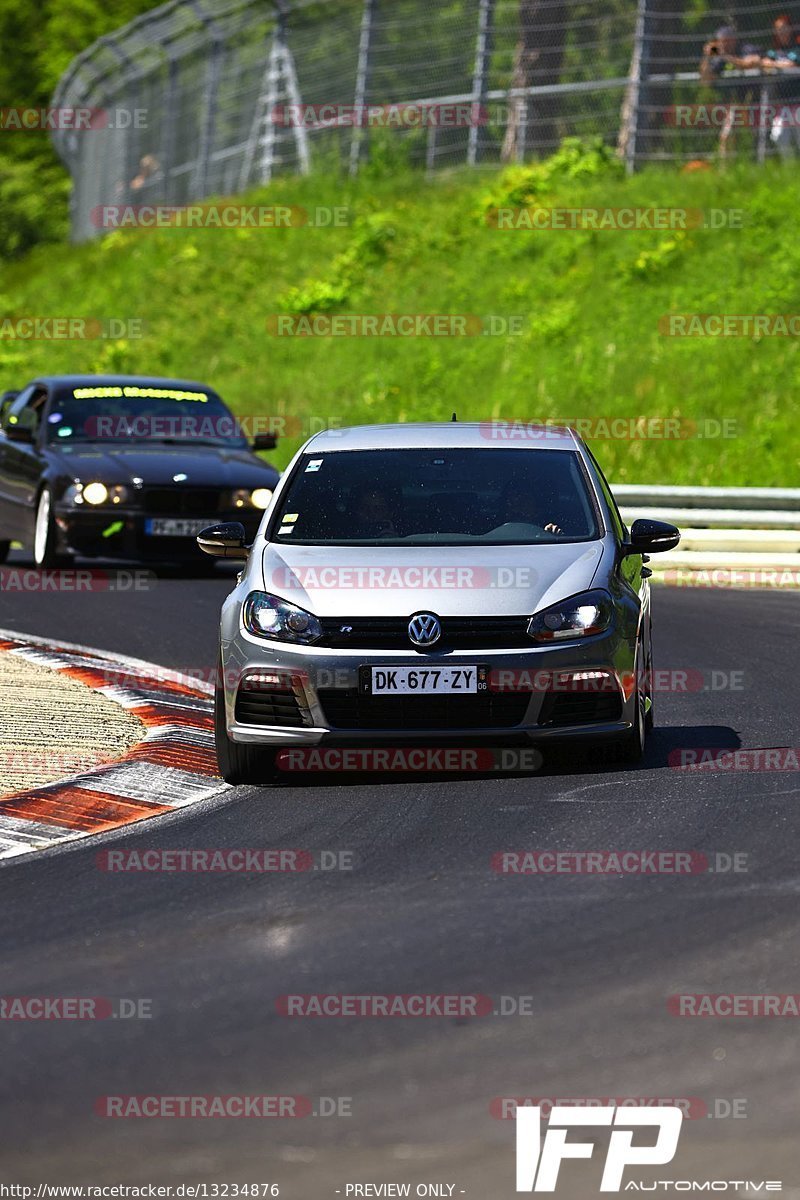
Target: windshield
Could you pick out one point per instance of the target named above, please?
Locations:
(444, 497)
(128, 413)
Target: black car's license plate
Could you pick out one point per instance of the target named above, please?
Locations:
(176, 526)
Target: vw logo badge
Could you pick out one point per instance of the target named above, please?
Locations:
(424, 629)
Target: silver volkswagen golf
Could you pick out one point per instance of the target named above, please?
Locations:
(435, 584)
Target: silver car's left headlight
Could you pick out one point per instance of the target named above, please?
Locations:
(578, 617)
(269, 616)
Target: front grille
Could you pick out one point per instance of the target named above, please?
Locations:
(580, 708)
(458, 633)
(262, 707)
(181, 502)
(351, 709)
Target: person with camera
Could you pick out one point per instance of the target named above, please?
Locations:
(785, 57)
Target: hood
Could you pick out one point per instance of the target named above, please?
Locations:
(204, 466)
(451, 581)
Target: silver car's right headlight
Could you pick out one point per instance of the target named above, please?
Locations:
(578, 617)
(269, 616)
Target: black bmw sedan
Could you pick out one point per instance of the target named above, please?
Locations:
(124, 466)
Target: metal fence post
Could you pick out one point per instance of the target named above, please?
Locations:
(210, 108)
(483, 49)
(629, 117)
(168, 141)
(362, 79)
(129, 160)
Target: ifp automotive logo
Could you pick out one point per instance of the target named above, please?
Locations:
(539, 1160)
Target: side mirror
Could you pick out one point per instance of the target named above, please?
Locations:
(265, 441)
(224, 541)
(651, 537)
(19, 433)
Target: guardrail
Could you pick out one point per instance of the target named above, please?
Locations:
(746, 534)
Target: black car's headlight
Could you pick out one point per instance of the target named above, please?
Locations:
(96, 493)
(256, 498)
(578, 617)
(269, 616)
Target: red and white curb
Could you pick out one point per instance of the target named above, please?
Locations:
(174, 764)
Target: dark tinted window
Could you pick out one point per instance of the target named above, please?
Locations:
(138, 413)
(381, 497)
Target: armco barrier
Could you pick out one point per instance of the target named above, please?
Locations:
(722, 528)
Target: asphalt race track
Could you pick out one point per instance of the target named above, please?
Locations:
(420, 911)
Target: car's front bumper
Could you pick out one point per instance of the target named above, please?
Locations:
(323, 683)
(123, 532)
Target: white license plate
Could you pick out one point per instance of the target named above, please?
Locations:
(424, 681)
(176, 526)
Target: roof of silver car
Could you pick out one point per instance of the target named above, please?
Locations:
(446, 435)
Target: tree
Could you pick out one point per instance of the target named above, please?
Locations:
(538, 58)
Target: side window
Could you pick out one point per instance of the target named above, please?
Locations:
(28, 408)
(619, 525)
(6, 400)
(10, 407)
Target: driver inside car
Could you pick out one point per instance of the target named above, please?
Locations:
(525, 506)
(372, 513)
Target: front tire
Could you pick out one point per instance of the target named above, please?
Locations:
(649, 720)
(5, 547)
(45, 535)
(238, 762)
(631, 749)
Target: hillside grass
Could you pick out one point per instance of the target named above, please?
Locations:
(590, 304)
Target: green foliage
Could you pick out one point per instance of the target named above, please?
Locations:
(663, 255)
(576, 161)
(33, 203)
(589, 304)
(39, 39)
(371, 238)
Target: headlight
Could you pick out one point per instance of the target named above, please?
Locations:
(258, 498)
(578, 617)
(96, 493)
(269, 616)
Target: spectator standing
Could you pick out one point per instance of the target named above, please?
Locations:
(785, 56)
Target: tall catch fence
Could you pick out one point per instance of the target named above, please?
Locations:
(209, 97)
